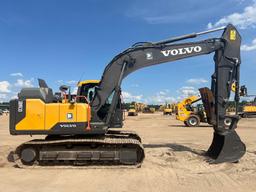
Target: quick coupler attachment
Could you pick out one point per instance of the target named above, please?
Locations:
(226, 147)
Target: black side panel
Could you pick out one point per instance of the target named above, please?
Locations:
(17, 113)
(64, 128)
(32, 93)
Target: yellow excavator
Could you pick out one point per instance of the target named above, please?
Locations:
(133, 109)
(78, 130)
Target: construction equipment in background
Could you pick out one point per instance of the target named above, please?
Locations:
(168, 109)
(249, 109)
(78, 131)
(187, 114)
(148, 109)
(5, 106)
(133, 109)
(191, 115)
(140, 106)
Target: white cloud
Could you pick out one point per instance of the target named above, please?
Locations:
(16, 74)
(135, 85)
(160, 98)
(71, 82)
(187, 91)
(249, 47)
(243, 20)
(24, 83)
(60, 81)
(196, 81)
(128, 97)
(162, 93)
(14, 97)
(3, 96)
(4, 87)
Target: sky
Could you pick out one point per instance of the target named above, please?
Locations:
(64, 41)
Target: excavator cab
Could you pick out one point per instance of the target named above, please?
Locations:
(86, 92)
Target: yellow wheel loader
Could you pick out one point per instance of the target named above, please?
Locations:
(187, 114)
(193, 116)
(78, 131)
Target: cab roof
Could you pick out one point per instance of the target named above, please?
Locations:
(80, 83)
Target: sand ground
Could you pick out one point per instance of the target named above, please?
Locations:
(173, 163)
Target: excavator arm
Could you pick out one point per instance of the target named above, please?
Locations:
(227, 64)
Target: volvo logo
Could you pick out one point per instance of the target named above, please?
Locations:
(69, 116)
(182, 51)
(149, 55)
(67, 125)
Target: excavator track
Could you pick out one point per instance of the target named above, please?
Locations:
(115, 149)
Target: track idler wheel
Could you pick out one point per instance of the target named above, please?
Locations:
(226, 147)
(28, 155)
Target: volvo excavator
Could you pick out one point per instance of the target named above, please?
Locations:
(78, 130)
